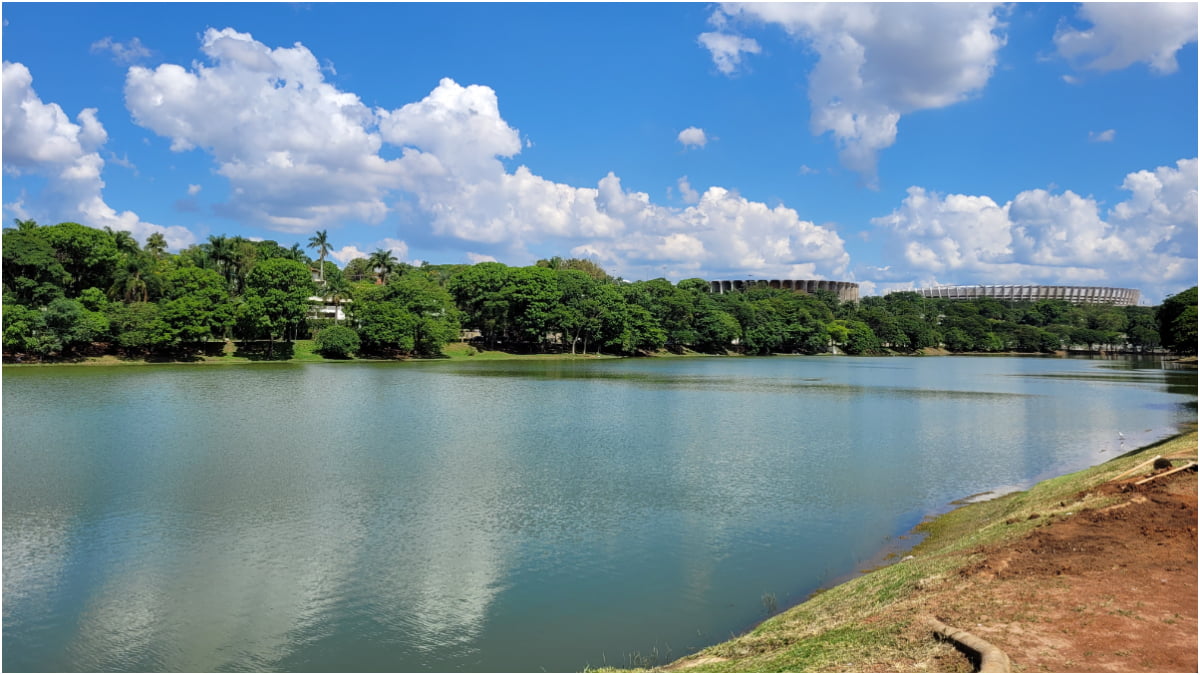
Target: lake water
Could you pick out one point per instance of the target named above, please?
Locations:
(502, 516)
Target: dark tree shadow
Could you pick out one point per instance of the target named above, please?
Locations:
(256, 350)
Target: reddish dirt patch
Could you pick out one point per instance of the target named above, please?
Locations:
(1104, 590)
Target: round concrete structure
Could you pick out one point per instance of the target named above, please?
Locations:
(846, 291)
(1031, 293)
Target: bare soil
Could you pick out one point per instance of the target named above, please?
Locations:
(1111, 589)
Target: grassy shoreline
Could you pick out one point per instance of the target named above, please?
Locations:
(871, 618)
(302, 351)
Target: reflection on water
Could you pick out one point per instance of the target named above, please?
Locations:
(500, 516)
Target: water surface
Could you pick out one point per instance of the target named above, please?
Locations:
(500, 515)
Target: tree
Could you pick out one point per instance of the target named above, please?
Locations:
(124, 241)
(277, 297)
(87, 254)
(24, 330)
(139, 327)
(1177, 322)
(31, 271)
(196, 304)
(69, 325)
(383, 263)
(480, 291)
(336, 289)
(156, 244)
(1141, 328)
(320, 241)
(358, 269)
(337, 342)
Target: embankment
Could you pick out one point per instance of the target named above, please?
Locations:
(1092, 571)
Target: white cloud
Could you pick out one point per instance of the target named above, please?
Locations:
(1122, 34)
(397, 247)
(479, 257)
(1106, 136)
(347, 253)
(1148, 241)
(693, 137)
(727, 49)
(123, 53)
(40, 139)
(881, 61)
(689, 195)
(193, 189)
(301, 154)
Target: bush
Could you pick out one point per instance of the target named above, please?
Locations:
(337, 342)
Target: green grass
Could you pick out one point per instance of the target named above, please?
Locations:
(865, 624)
(461, 351)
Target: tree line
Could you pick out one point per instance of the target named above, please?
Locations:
(70, 290)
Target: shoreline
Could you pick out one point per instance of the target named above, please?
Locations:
(868, 622)
(461, 351)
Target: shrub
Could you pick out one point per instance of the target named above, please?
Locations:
(337, 342)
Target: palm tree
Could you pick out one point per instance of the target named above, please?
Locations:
(320, 241)
(156, 244)
(27, 224)
(221, 253)
(383, 262)
(124, 241)
(336, 290)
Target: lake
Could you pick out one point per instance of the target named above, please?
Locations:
(502, 516)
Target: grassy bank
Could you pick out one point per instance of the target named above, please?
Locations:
(873, 622)
(303, 351)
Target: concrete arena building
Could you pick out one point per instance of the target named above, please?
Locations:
(846, 291)
(1077, 295)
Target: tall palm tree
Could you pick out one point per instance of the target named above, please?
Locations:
(221, 253)
(320, 241)
(156, 244)
(383, 262)
(336, 290)
(124, 241)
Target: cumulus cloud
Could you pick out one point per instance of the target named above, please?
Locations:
(40, 139)
(1148, 241)
(1106, 136)
(193, 189)
(689, 195)
(123, 53)
(347, 253)
(301, 154)
(1122, 34)
(881, 61)
(726, 49)
(693, 137)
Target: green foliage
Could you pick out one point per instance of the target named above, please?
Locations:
(139, 327)
(196, 304)
(411, 314)
(277, 296)
(68, 326)
(32, 271)
(25, 331)
(860, 339)
(88, 255)
(1177, 322)
(66, 285)
(337, 342)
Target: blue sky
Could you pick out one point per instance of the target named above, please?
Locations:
(894, 145)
